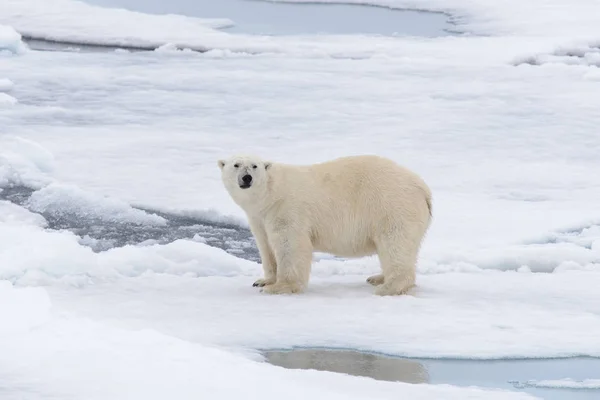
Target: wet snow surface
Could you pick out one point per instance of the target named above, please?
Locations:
(499, 373)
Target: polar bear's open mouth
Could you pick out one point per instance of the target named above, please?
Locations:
(245, 185)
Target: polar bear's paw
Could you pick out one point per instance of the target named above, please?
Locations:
(395, 287)
(282, 288)
(375, 280)
(264, 282)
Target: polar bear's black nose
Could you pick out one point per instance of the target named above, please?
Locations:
(247, 179)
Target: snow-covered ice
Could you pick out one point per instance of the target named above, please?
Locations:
(59, 199)
(77, 22)
(509, 269)
(7, 100)
(502, 27)
(24, 162)
(146, 364)
(10, 41)
(566, 383)
(5, 85)
(13, 214)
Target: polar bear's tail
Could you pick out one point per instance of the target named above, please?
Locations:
(428, 200)
(429, 205)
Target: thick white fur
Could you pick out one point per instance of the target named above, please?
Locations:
(350, 207)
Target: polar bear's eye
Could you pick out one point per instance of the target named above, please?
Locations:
(254, 166)
(236, 165)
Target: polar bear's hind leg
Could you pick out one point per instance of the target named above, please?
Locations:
(397, 252)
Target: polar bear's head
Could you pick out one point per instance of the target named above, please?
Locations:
(244, 176)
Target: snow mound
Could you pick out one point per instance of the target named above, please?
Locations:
(5, 85)
(587, 54)
(546, 257)
(24, 162)
(10, 40)
(13, 214)
(181, 257)
(566, 383)
(577, 248)
(57, 254)
(61, 200)
(7, 100)
(211, 215)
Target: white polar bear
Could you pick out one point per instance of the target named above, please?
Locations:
(351, 207)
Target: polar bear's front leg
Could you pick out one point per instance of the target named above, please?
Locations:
(267, 257)
(293, 252)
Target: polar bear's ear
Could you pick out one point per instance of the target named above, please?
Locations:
(221, 163)
(267, 165)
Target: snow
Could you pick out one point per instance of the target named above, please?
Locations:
(59, 199)
(45, 351)
(450, 315)
(24, 162)
(77, 22)
(5, 85)
(7, 100)
(493, 174)
(10, 41)
(581, 54)
(510, 268)
(12, 214)
(566, 383)
(25, 309)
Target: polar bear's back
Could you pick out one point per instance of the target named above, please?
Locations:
(351, 200)
(369, 179)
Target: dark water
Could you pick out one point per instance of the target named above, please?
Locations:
(103, 233)
(272, 18)
(502, 374)
(51, 45)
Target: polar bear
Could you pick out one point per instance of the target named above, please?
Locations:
(352, 206)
